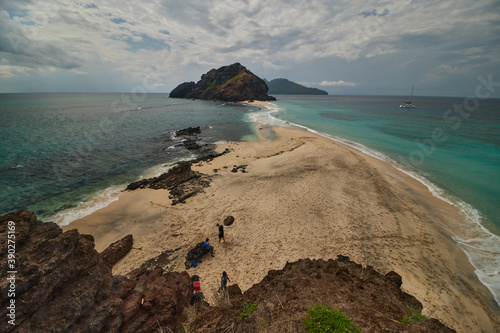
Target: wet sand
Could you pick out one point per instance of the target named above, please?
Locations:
(304, 196)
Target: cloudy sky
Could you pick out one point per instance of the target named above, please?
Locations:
(342, 46)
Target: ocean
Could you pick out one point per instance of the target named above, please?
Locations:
(64, 156)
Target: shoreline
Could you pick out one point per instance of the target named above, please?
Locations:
(277, 210)
(468, 231)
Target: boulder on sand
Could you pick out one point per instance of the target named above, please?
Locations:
(228, 220)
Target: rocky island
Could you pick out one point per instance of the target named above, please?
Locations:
(233, 83)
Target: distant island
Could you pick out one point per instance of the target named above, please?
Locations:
(233, 83)
(287, 87)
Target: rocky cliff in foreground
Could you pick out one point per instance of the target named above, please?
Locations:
(63, 285)
(233, 83)
(374, 302)
(59, 283)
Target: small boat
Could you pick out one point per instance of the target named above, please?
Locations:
(408, 105)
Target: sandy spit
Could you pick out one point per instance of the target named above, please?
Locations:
(304, 196)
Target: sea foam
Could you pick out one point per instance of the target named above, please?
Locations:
(102, 199)
(107, 196)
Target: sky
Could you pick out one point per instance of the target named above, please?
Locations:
(353, 47)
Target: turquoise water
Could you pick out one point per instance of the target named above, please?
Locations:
(464, 160)
(454, 152)
(59, 151)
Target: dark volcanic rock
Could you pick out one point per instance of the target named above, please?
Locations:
(228, 220)
(117, 250)
(231, 83)
(63, 285)
(182, 90)
(178, 174)
(188, 131)
(191, 144)
(234, 290)
(374, 302)
(180, 180)
(191, 139)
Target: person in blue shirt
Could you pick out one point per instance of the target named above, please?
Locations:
(209, 247)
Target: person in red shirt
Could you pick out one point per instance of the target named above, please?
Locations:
(197, 294)
(197, 286)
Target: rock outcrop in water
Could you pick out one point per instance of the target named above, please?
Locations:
(180, 180)
(233, 83)
(63, 285)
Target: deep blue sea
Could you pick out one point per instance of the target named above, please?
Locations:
(64, 156)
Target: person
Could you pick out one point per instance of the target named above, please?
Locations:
(196, 283)
(197, 294)
(221, 232)
(223, 281)
(209, 247)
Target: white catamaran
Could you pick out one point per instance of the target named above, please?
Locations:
(410, 103)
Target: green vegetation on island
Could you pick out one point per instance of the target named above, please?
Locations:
(326, 319)
(233, 83)
(287, 87)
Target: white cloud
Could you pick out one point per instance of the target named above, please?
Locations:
(184, 39)
(337, 83)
